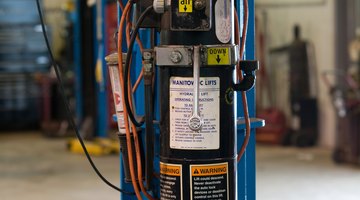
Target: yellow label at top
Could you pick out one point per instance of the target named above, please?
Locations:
(185, 6)
(170, 169)
(218, 56)
(209, 170)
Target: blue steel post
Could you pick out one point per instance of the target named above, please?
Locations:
(247, 165)
(102, 124)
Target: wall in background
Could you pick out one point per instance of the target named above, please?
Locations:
(318, 26)
(287, 2)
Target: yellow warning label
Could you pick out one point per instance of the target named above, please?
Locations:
(185, 6)
(170, 170)
(218, 56)
(209, 170)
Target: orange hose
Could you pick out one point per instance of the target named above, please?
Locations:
(240, 76)
(121, 5)
(138, 81)
(137, 148)
(141, 47)
(138, 158)
(135, 134)
(141, 75)
(126, 119)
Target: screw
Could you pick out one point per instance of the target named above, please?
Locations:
(175, 56)
(199, 4)
(206, 25)
(147, 55)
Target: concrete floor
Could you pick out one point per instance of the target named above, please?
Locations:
(299, 174)
(33, 167)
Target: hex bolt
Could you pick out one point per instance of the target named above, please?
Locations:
(147, 55)
(199, 4)
(175, 56)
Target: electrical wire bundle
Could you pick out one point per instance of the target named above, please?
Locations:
(125, 83)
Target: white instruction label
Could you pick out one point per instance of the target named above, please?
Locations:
(181, 102)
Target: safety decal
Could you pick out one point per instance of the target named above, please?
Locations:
(218, 56)
(209, 181)
(115, 80)
(181, 101)
(171, 170)
(185, 6)
(170, 181)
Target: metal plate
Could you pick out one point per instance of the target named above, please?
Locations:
(164, 55)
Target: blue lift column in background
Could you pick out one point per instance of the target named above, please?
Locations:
(101, 71)
(246, 167)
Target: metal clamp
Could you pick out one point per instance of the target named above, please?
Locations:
(209, 55)
(174, 55)
(195, 121)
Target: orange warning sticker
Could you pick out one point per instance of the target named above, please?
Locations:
(170, 169)
(209, 170)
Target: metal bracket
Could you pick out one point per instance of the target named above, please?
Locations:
(174, 55)
(210, 55)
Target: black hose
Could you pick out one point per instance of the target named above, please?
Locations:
(246, 83)
(127, 65)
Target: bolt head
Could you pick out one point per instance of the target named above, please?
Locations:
(175, 56)
(199, 4)
(147, 55)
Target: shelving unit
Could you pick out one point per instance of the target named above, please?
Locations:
(23, 55)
